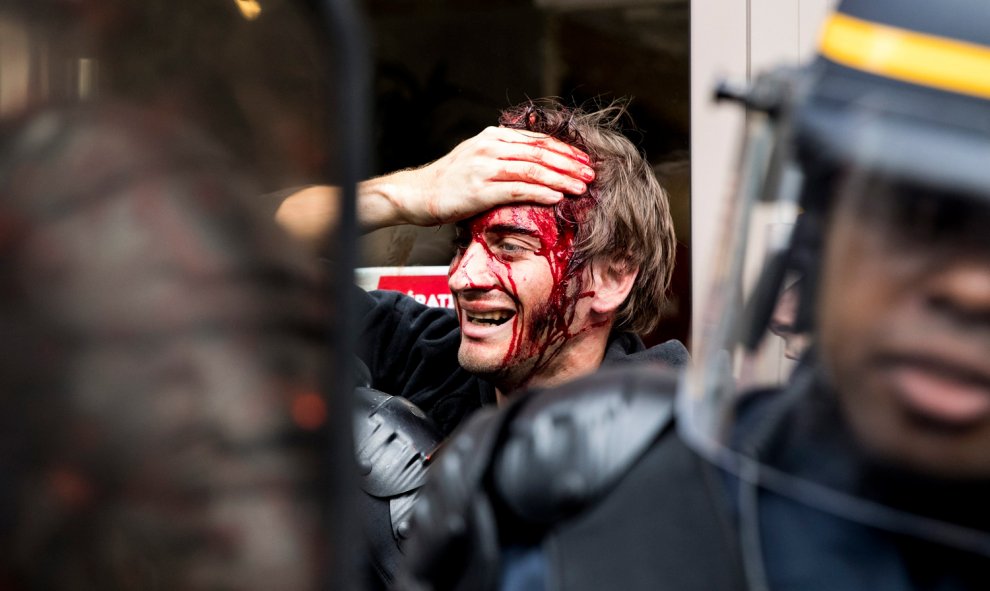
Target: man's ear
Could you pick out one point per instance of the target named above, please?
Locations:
(611, 282)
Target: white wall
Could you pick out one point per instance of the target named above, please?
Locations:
(732, 39)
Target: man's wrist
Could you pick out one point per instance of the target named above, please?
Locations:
(383, 201)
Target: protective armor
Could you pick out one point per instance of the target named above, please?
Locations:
(394, 442)
(558, 454)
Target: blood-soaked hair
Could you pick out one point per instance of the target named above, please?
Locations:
(624, 217)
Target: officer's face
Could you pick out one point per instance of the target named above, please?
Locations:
(515, 293)
(905, 328)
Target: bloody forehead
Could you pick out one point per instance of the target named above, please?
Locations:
(536, 221)
(556, 235)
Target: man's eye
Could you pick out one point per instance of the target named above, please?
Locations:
(513, 248)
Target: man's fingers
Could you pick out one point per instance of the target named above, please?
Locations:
(532, 138)
(535, 173)
(547, 158)
(518, 191)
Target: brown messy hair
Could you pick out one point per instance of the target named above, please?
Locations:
(624, 217)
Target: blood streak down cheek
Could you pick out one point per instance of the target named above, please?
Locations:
(550, 325)
(498, 269)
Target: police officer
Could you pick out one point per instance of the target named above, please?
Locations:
(869, 466)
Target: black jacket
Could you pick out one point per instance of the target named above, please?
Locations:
(411, 351)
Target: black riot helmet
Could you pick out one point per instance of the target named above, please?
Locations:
(864, 192)
(174, 409)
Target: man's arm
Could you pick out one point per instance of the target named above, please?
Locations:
(495, 167)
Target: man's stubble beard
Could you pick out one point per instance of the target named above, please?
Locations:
(534, 356)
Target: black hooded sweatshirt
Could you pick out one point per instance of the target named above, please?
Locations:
(411, 351)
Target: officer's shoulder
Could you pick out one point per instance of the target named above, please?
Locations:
(566, 447)
(394, 441)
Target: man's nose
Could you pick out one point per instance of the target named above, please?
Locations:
(962, 290)
(471, 270)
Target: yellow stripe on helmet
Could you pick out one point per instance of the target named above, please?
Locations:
(909, 56)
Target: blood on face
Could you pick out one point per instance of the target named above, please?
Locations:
(511, 239)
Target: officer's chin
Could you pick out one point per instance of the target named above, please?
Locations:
(900, 428)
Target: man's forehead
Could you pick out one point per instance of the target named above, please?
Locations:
(529, 216)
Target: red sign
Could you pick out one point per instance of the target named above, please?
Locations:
(431, 290)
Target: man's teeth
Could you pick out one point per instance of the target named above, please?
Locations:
(491, 318)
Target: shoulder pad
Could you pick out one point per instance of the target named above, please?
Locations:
(393, 440)
(454, 534)
(568, 445)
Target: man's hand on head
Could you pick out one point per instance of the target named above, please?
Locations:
(496, 167)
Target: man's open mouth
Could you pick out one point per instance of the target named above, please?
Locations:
(489, 318)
